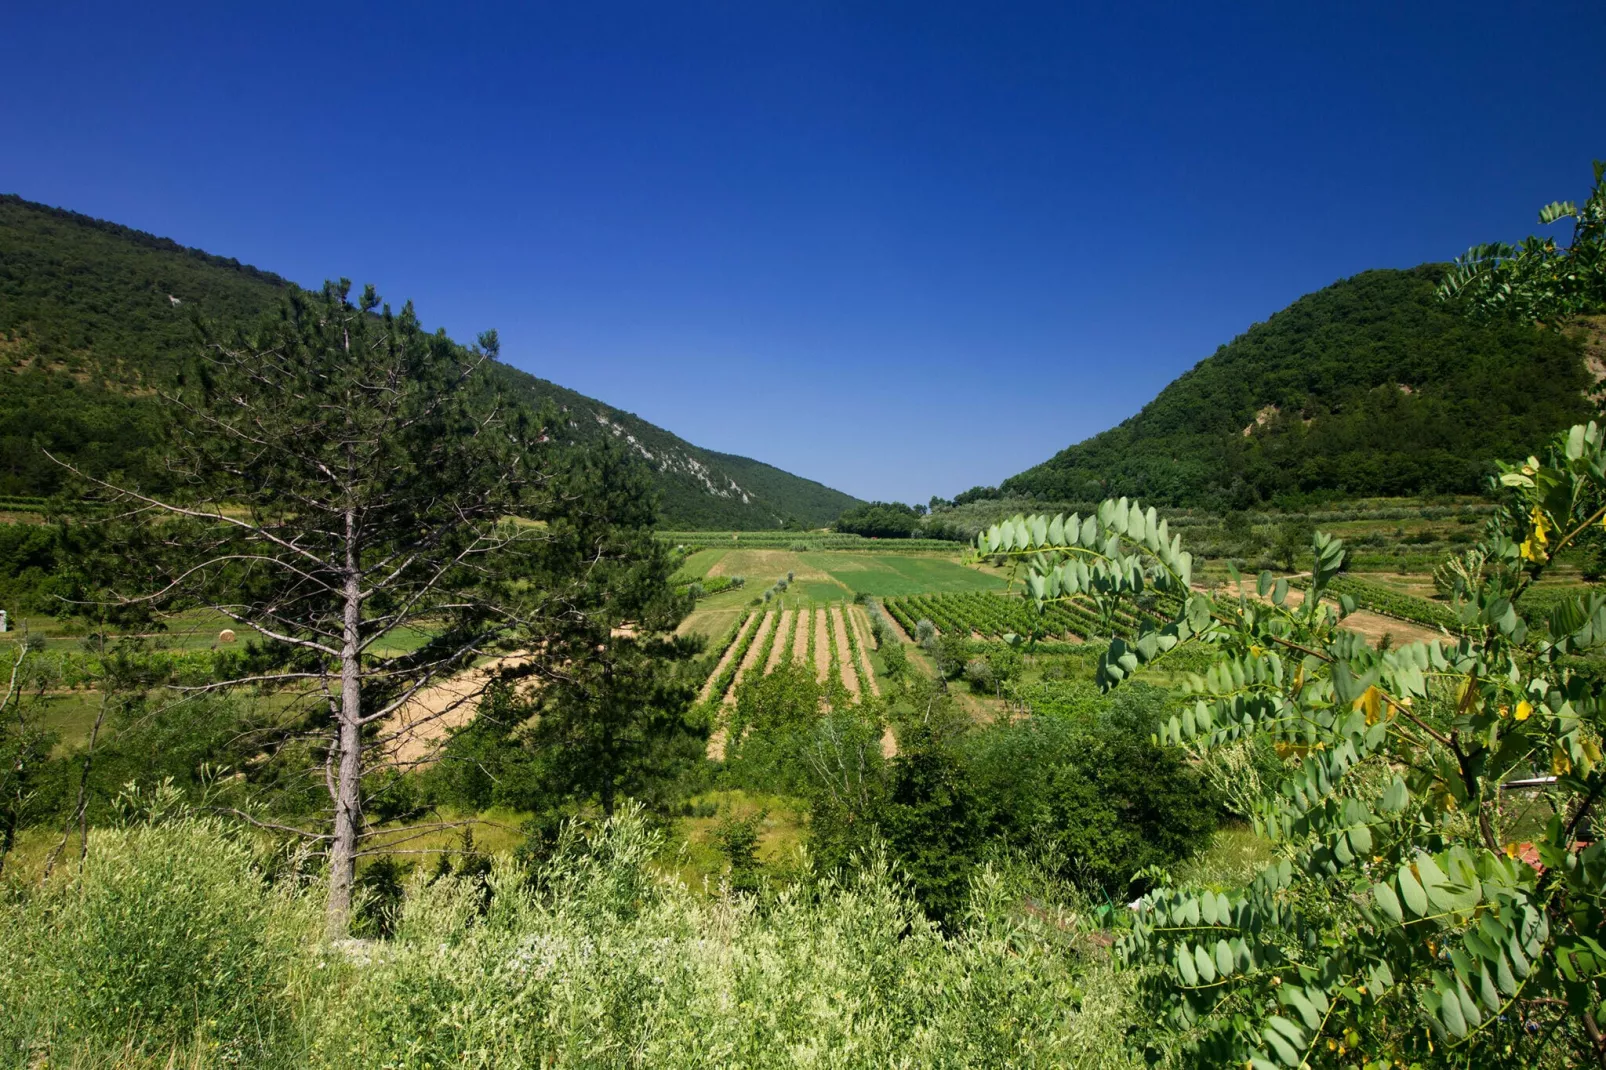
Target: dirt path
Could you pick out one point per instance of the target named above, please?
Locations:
(822, 646)
(844, 653)
(724, 660)
(861, 630)
(751, 657)
(783, 630)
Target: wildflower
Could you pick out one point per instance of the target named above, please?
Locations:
(1524, 710)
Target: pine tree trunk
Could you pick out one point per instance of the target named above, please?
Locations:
(348, 779)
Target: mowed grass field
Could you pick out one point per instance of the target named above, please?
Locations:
(820, 576)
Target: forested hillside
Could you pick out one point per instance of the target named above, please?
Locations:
(93, 315)
(1368, 387)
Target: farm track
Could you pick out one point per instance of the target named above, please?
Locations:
(783, 629)
(724, 661)
(860, 623)
(822, 646)
(844, 656)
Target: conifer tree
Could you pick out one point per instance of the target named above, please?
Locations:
(346, 484)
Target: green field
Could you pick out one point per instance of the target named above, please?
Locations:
(819, 576)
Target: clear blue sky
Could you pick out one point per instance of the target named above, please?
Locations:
(901, 249)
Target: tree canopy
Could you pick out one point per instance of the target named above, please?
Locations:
(1371, 386)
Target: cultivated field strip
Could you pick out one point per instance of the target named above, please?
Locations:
(822, 646)
(991, 616)
(835, 638)
(724, 661)
(800, 638)
(861, 631)
(845, 666)
(753, 653)
(778, 648)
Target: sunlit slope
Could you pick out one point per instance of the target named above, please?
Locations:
(1368, 387)
(93, 315)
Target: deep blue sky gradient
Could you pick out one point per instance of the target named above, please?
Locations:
(901, 249)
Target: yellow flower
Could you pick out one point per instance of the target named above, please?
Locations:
(1541, 525)
(1525, 710)
(1533, 545)
(1511, 850)
(1371, 701)
(1505, 711)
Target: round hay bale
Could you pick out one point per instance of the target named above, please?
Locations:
(226, 635)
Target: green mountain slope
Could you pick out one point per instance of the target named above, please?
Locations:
(1368, 387)
(93, 314)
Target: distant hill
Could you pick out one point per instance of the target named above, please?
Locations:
(92, 314)
(1368, 387)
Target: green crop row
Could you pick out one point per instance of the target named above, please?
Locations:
(993, 615)
(742, 639)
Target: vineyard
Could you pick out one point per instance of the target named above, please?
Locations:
(993, 616)
(834, 640)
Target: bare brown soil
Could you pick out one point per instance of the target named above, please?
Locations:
(783, 630)
(861, 629)
(414, 734)
(800, 641)
(1374, 626)
(844, 653)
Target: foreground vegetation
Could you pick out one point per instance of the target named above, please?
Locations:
(474, 790)
(175, 946)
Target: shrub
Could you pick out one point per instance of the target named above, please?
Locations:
(169, 937)
(979, 675)
(596, 963)
(1086, 788)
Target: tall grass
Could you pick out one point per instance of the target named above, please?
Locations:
(173, 945)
